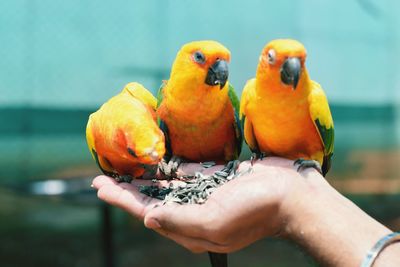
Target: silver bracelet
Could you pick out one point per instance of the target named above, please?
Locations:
(378, 247)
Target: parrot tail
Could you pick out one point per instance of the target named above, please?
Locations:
(218, 259)
(326, 164)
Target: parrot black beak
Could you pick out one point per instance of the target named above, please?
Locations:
(218, 74)
(290, 71)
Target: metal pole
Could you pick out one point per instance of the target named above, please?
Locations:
(108, 248)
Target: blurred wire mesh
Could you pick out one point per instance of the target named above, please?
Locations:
(60, 60)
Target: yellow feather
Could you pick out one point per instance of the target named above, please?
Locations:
(137, 90)
(319, 108)
(89, 136)
(247, 94)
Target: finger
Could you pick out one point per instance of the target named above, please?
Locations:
(189, 220)
(102, 180)
(276, 162)
(195, 245)
(127, 197)
(188, 169)
(158, 174)
(244, 165)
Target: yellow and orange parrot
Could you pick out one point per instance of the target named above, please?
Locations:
(284, 112)
(123, 135)
(199, 111)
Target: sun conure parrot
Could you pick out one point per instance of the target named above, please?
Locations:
(123, 135)
(284, 112)
(199, 111)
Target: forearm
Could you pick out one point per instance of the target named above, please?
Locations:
(334, 230)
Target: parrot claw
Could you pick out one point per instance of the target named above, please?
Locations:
(230, 168)
(304, 163)
(208, 164)
(123, 178)
(257, 155)
(170, 169)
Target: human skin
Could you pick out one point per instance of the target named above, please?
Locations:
(273, 200)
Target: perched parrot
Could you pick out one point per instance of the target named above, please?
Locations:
(284, 112)
(199, 111)
(123, 135)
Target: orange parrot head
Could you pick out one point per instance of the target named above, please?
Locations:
(282, 63)
(145, 143)
(203, 64)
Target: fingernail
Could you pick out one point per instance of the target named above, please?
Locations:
(152, 224)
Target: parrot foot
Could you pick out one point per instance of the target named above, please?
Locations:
(255, 156)
(208, 164)
(170, 168)
(230, 168)
(123, 178)
(150, 171)
(304, 163)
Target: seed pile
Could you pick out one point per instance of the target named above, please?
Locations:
(196, 189)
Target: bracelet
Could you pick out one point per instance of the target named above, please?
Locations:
(378, 247)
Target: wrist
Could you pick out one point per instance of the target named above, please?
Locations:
(334, 230)
(389, 256)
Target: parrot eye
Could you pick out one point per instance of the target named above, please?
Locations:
(199, 57)
(271, 56)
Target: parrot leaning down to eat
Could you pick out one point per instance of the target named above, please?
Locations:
(123, 135)
(198, 112)
(284, 112)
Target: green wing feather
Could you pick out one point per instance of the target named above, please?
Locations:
(237, 125)
(321, 115)
(327, 135)
(96, 158)
(160, 95)
(253, 144)
(328, 138)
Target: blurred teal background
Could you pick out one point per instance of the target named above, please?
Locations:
(60, 60)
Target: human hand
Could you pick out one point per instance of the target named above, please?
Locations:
(238, 213)
(274, 199)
